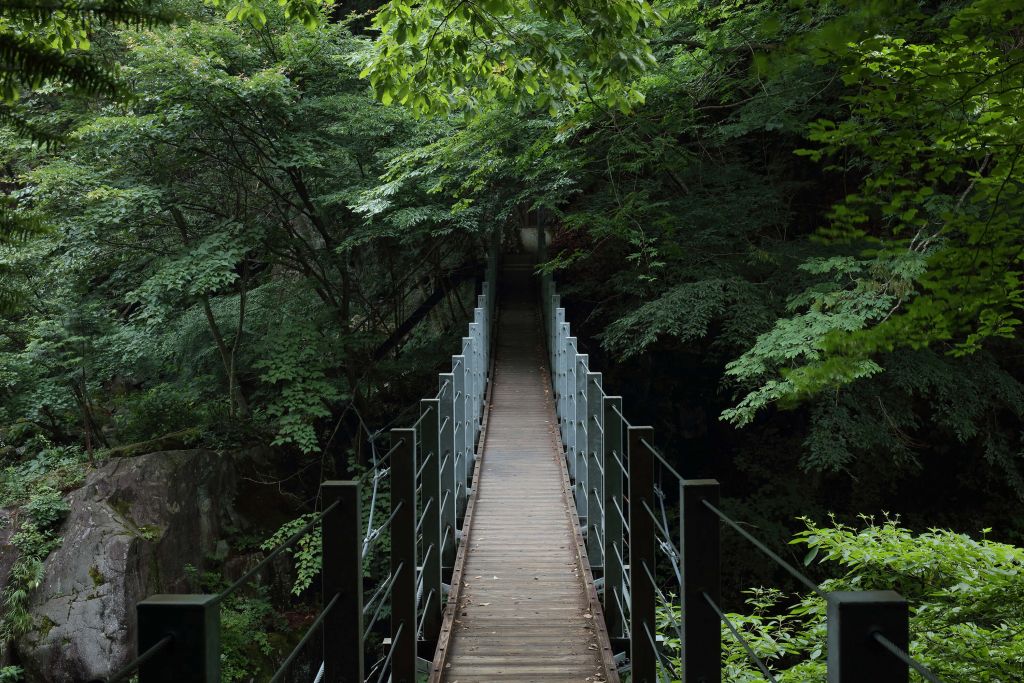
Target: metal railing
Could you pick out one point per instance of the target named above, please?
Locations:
(622, 484)
(426, 473)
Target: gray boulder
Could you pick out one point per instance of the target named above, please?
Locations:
(134, 527)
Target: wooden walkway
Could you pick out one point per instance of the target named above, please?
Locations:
(525, 609)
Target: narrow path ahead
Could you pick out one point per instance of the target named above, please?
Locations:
(523, 610)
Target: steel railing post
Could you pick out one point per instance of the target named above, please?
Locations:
(612, 454)
(579, 441)
(193, 621)
(854, 618)
(431, 497)
(642, 539)
(403, 556)
(477, 365)
(570, 403)
(446, 455)
(557, 318)
(458, 432)
(563, 351)
(342, 572)
(699, 549)
(467, 413)
(595, 480)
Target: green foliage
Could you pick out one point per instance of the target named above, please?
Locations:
(158, 411)
(247, 625)
(11, 674)
(933, 149)
(438, 56)
(964, 593)
(306, 552)
(35, 538)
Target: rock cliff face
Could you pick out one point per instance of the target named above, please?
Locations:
(134, 527)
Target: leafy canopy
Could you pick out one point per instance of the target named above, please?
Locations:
(439, 56)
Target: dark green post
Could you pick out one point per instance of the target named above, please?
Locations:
(613, 527)
(595, 479)
(431, 483)
(446, 415)
(699, 557)
(403, 556)
(193, 621)
(642, 603)
(343, 575)
(854, 618)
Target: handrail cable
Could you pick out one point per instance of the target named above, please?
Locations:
(283, 669)
(627, 579)
(128, 669)
(597, 500)
(660, 457)
(900, 654)
(765, 549)
(426, 412)
(622, 467)
(423, 516)
(377, 593)
(373, 619)
(659, 655)
(619, 413)
(622, 610)
(742, 641)
(441, 390)
(625, 522)
(391, 651)
(382, 458)
(657, 522)
(294, 538)
(375, 534)
(419, 628)
(423, 465)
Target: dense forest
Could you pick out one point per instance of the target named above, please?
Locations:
(789, 233)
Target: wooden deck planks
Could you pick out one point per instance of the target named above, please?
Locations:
(523, 612)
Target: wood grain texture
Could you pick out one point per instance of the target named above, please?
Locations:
(523, 611)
